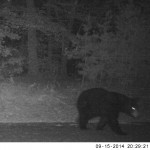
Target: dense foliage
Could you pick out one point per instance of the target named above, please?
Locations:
(114, 53)
(11, 61)
(110, 45)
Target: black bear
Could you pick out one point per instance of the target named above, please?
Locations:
(98, 102)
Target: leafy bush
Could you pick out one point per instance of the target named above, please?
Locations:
(10, 60)
(112, 55)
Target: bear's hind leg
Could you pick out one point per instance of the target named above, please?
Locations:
(83, 121)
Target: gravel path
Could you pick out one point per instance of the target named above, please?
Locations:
(46, 132)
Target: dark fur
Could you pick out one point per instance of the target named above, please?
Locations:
(98, 102)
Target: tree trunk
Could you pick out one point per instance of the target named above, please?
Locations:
(32, 40)
(50, 43)
(50, 54)
(70, 26)
(63, 60)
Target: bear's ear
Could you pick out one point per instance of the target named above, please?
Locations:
(136, 99)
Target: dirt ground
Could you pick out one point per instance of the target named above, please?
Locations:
(48, 132)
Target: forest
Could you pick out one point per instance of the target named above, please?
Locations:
(50, 50)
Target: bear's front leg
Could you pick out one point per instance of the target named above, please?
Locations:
(114, 124)
(101, 124)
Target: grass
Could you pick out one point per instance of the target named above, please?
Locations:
(23, 101)
(27, 99)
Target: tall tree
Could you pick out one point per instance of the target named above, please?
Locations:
(32, 40)
(114, 54)
(73, 7)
